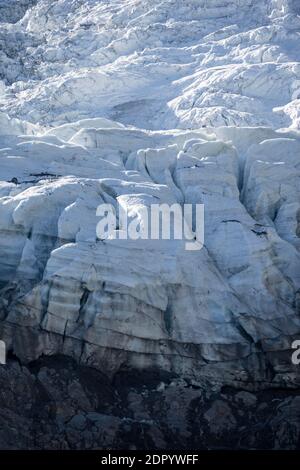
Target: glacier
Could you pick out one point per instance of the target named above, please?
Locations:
(136, 102)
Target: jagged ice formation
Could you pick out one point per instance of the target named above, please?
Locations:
(141, 101)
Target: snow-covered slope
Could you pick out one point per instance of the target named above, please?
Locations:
(140, 101)
(155, 64)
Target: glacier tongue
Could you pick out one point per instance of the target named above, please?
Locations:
(135, 102)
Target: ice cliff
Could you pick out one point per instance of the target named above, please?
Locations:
(140, 101)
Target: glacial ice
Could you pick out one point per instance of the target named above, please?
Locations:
(135, 101)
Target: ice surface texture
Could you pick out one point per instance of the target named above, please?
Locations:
(193, 101)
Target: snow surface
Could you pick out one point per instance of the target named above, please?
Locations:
(140, 101)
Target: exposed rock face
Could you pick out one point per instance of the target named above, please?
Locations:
(139, 103)
(74, 407)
